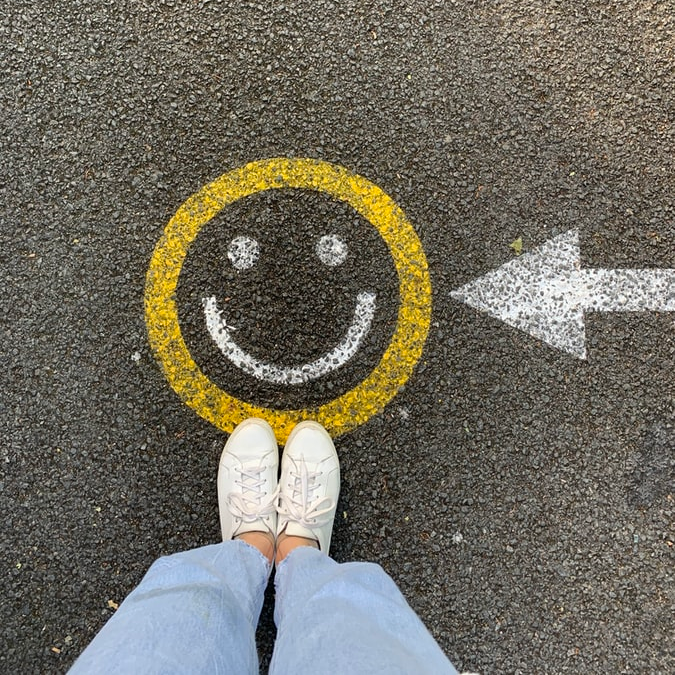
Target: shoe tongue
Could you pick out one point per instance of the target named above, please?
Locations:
(297, 530)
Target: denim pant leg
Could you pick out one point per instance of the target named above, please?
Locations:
(193, 612)
(347, 618)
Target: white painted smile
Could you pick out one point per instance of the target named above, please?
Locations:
(220, 332)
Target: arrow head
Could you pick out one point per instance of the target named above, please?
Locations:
(536, 293)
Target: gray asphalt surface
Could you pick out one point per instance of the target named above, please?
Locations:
(521, 498)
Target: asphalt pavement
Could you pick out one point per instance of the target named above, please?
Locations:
(520, 496)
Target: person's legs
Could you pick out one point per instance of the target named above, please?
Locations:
(348, 618)
(193, 612)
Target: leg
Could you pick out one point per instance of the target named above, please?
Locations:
(196, 612)
(334, 618)
(193, 612)
(348, 618)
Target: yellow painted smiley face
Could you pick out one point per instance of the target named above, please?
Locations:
(346, 411)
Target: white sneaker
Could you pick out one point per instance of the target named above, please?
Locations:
(247, 480)
(309, 485)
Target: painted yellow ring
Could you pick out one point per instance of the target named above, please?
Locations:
(353, 408)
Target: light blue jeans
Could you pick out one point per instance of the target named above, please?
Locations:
(196, 612)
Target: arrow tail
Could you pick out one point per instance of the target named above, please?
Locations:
(627, 290)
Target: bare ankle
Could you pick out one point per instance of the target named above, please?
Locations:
(286, 543)
(263, 541)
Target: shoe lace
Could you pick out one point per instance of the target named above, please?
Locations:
(252, 502)
(297, 503)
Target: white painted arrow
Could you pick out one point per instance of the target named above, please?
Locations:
(545, 293)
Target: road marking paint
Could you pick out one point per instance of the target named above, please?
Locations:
(331, 250)
(545, 293)
(269, 372)
(369, 397)
(243, 252)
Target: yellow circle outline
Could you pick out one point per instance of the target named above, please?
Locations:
(356, 406)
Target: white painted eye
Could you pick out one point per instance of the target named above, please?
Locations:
(243, 252)
(332, 251)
